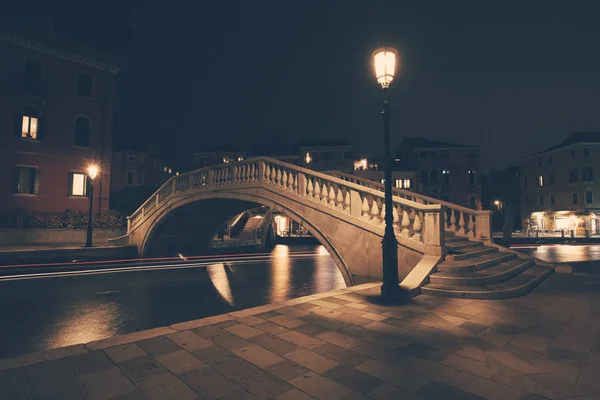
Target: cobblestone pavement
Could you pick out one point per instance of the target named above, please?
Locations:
(342, 345)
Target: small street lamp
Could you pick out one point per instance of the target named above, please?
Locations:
(384, 60)
(92, 172)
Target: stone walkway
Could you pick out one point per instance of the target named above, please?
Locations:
(342, 345)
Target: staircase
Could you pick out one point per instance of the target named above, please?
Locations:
(472, 270)
(252, 225)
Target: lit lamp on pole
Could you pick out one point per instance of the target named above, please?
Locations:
(384, 60)
(92, 173)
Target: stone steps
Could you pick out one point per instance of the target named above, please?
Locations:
(477, 263)
(516, 286)
(497, 273)
(463, 247)
(484, 250)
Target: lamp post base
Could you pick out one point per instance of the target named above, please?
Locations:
(391, 293)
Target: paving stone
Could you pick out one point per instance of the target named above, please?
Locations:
(529, 356)
(508, 360)
(536, 343)
(269, 327)
(268, 314)
(13, 385)
(106, 384)
(565, 356)
(327, 304)
(142, 368)
(92, 361)
(214, 386)
(311, 360)
(274, 344)
(301, 340)
(428, 369)
(320, 387)
(354, 319)
(208, 331)
(311, 330)
(355, 331)
(287, 370)
(532, 396)
(373, 316)
(377, 352)
(516, 380)
(286, 321)
(54, 380)
(473, 352)
(325, 321)
(125, 352)
(251, 320)
(356, 396)
(293, 394)
(424, 352)
(190, 341)
(180, 361)
(484, 387)
(215, 356)
(353, 379)
(130, 396)
(258, 356)
(229, 340)
(439, 391)
(340, 355)
(339, 339)
(498, 340)
(243, 331)
(166, 387)
(226, 324)
(158, 345)
(392, 375)
(388, 392)
(339, 299)
(483, 369)
(293, 312)
(473, 328)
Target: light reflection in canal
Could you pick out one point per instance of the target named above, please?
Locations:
(563, 253)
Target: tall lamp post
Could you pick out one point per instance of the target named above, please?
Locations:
(92, 172)
(384, 61)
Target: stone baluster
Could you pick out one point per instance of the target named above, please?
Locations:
(317, 191)
(375, 211)
(309, 188)
(295, 184)
(471, 226)
(339, 199)
(324, 193)
(382, 217)
(253, 172)
(405, 224)
(417, 228)
(365, 209)
(283, 182)
(273, 175)
(461, 224)
(347, 202)
(267, 173)
(278, 177)
(331, 196)
(452, 221)
(290, 182)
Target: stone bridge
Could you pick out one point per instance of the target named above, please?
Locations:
(343, 212)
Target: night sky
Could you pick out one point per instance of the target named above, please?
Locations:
(512, 76)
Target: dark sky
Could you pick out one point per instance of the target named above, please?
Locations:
(512, 76)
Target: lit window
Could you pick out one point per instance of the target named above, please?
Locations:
(240, 158)
(170, 171)
(29, 127)
(540, 181)
(26, 180)
(399, 183)
(407, 184)
(472, 177)
(307, 158)
(129, 178)
(165, 169)
(446, 176)
(78, 184)
(176, 173)
(226, 160)
(383, 181)
(360, 165)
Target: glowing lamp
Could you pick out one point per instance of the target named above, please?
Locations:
(497, 202)
(92, 171)
(384, 60)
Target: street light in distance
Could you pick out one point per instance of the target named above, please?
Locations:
(92, 173)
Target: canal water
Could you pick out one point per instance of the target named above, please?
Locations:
(563, 253)
(38, 314)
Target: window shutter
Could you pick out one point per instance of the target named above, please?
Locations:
(40, 131)
(18, 124)
(15, 179)
(36, 181)
(70, 193)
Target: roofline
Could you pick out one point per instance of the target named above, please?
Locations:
(556, 149)
(478, 148)
(42, 48)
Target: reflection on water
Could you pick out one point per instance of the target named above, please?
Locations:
(47, 313)
(563, 253)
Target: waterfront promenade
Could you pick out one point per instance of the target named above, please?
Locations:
(342, 345)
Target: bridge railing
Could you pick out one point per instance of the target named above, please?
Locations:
(412, 219)
(461, 220)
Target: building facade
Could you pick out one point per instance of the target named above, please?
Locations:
(373, 169)
(447, 171)
(558, 187)
(56, 118)
(500, 193)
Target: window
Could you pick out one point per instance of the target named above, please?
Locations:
(472, 201)
(588, 174)
(551, 199)
(85, 84)
(77, 184)
(407, 184)
(424, 176)
(542, 201)
(140, 178)
(399, 183)
(433, 176)
(82, 132)
(423, 155)
(325, 155)
(129, 178)
(29, 124)
(446, 176)
(382, 181)
(225, 161)
(130, 157)
(551, 180)
(472, 177)
(573, 153)
(26, 180)
(573, 176)
(586, 152)
(575, 199)
(445, 156)
(240, 158)
(550, 160)
(524, 183)
(540, 181)
(33, 77)
(447, 198)
(433, 155)
(170, 171)
(589, 196)
(165, 169)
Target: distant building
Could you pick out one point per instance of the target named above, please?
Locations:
(218, 155)
(558, 186)
(135, 176)
(373, 169)
(56, 118)
(500, 192)
(447, 171)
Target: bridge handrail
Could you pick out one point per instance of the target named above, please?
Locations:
(452, 222)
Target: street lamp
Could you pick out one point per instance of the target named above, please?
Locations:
(384, 61)
(92, 172)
